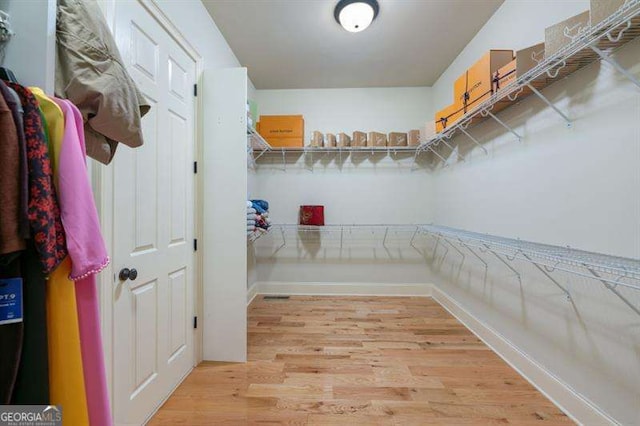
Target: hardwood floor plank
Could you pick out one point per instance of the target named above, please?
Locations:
(358, 361)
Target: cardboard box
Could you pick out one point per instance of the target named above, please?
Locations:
(397, 139)
(413, 138)
(330, 140)
(281, 126)
(505, 76)
(554, 37)
(317, 139)
(377, 139)
(480, 76)
(359, 139)
(343, 141)
(602, 9)
(448, 116)
(460, 91)
(522, 63)
(285, 142)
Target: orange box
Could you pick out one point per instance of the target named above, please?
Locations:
(377, 139)
(554, 36)
(359, 139)
(448, 116)
(285, 142)
(480, 75)
(505, 76)
(460, 91)
(281, 126)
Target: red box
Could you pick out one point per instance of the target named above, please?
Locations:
(312, 215)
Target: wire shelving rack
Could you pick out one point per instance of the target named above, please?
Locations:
(612, 271)
(589, 44)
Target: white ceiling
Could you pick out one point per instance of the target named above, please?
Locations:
(296, 44)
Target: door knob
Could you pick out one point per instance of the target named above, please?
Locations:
(128, 274)
(124, 274)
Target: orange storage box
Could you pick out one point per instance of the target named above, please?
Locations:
(448, 116)
(282, 130)
(480, 76)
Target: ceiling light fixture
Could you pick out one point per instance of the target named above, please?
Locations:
(356, 15)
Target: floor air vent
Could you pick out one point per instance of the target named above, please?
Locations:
(275, 298)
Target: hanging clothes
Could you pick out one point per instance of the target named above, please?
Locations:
(54, 120)
(90, 73)
(88, 257)
(66, 369)
(10, 335)
(44, 212)
(13, 101)
(32, 382)
(10, 238)
(66, 372)
(11, 242)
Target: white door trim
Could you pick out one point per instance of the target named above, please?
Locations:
(102, 180)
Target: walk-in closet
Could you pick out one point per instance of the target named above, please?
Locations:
(367, 212)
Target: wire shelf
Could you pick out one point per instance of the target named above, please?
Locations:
(588, 45)
(612, 271)
(612, 265)
(351, 149)
(257, 146)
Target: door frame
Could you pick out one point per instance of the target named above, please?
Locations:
(102, 178)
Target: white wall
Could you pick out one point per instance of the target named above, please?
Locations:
(356, 191)
(35, 32)
(578, 187)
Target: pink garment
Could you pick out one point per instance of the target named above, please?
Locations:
(88, 257)
(78, 210)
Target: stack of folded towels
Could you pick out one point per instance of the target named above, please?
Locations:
(258, 220)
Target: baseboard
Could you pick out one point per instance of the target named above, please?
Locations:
(573, 404)
(252, 292)
(343, 289)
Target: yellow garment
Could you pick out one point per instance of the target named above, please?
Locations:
(66, 377)
(55, 124)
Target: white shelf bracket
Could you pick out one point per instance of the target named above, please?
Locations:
(546, 274)
(550, 104)
(474, 140)
(428, 146)
(616, 65)
(452, 149)
(514, 270)
(503, 124)
(458, 250)
(284, 160)
(486, 265)
(613, 289)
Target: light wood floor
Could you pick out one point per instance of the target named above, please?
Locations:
(358, 360)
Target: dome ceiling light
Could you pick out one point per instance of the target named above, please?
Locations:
(356, 15)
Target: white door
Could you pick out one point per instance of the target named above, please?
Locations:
(153, 223)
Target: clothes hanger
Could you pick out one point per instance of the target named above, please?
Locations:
(7, 75)
(5, 35)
